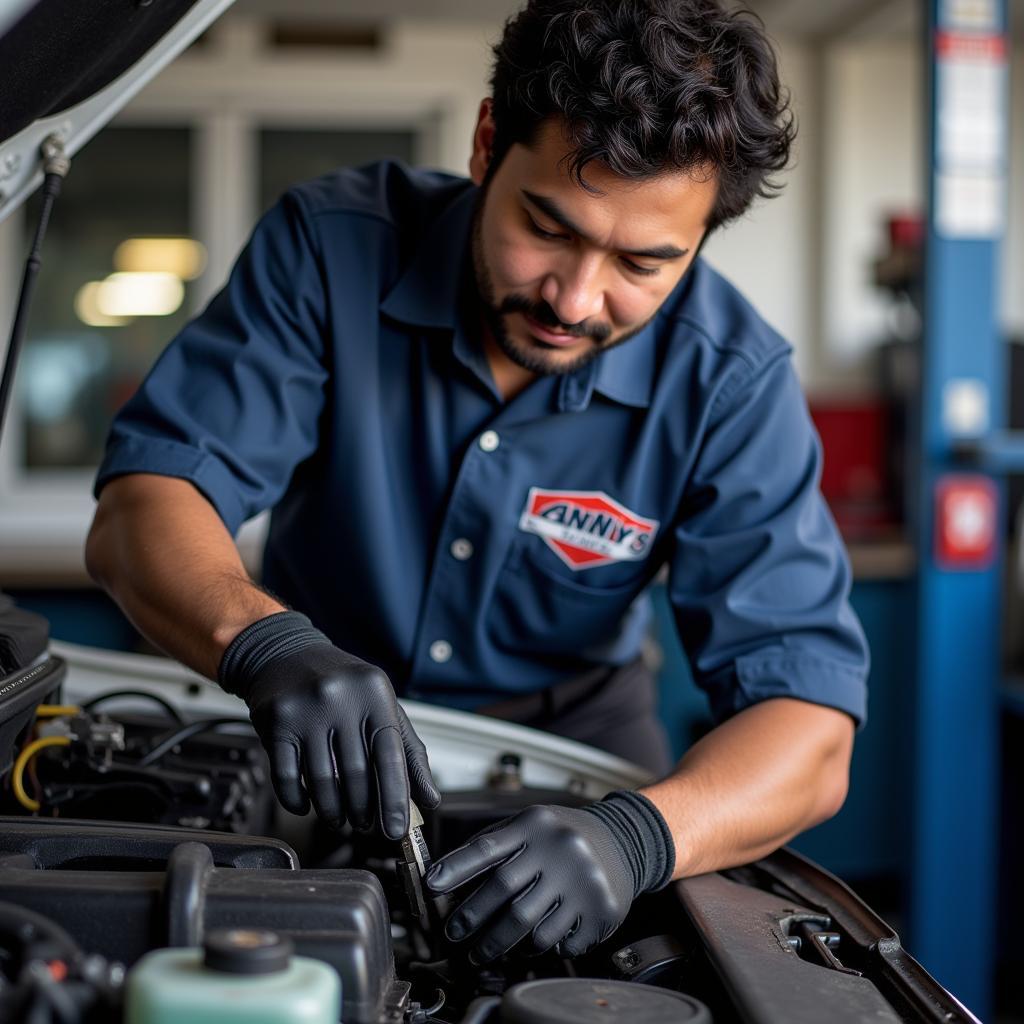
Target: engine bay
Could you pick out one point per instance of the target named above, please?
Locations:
(132, 829)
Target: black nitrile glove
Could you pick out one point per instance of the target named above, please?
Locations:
(556, 875)
(331, 725)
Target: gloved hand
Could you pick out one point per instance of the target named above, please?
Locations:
(331, 725)
(556, 875)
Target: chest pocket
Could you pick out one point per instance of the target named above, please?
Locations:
(541, 610)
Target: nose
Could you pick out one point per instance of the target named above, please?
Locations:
(575, 292)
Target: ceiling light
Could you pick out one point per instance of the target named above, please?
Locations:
(183, 257)
(88, 310)
(140, 294)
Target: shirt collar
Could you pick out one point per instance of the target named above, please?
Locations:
(626, 373)
(428, 294)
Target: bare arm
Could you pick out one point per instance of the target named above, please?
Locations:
(753, 783)
(158, 547)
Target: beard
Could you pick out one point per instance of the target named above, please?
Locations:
(533, 354)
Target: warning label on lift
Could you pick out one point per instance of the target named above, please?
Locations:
(971, 130)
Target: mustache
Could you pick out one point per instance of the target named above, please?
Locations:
(545, 315)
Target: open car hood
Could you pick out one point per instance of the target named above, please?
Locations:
(67, 67)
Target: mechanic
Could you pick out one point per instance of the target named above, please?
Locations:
(485, 413)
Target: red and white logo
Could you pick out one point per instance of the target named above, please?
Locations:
(587, 528)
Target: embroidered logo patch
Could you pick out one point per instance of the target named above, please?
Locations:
(587, 528)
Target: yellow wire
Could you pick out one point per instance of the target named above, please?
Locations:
(56, 710)
(21, 763)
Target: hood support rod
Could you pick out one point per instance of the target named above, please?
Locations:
(55, 167)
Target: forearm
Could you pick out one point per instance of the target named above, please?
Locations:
(158, 547)
(753, 783)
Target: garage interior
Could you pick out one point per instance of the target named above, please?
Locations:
(896, 274)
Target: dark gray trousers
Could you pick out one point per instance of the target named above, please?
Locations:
(613, 708)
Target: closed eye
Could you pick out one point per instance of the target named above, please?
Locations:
(635, 268)
(541, 233)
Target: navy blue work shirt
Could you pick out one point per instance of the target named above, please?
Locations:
(475, 548)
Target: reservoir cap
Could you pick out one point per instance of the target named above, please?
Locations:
(246, 951)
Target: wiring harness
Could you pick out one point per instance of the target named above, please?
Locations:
(151, 767)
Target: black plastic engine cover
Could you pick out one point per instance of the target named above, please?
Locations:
(118, 845)
(338, 916)
(23, 636)
(21, 692)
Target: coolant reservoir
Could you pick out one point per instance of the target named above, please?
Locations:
(239, 975)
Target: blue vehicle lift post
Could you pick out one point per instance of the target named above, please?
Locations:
(962, 410)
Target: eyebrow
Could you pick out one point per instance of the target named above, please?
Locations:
(551, 209)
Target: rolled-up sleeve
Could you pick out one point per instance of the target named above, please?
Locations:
(233, 404)
(759, 579)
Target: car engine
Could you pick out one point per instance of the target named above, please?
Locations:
(133, 831)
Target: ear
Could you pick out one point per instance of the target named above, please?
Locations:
(483, 142)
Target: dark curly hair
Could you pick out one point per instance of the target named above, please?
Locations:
(645, 86)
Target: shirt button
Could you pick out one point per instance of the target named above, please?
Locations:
(440, 651)
(489, 440)
(461, 549)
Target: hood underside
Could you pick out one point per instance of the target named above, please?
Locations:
(68, 67)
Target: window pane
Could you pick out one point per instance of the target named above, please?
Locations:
(101, 313)
(288, 156)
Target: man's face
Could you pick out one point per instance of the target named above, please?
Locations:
(563, 273)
